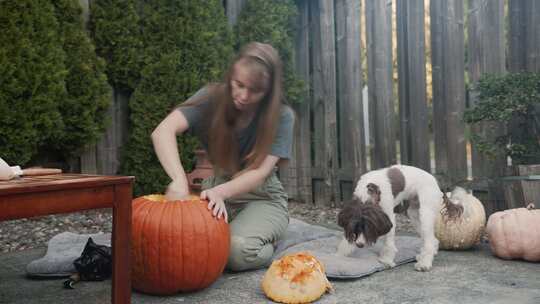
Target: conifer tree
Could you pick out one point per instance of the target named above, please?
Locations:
(88, 97)
(32, 74)
(186, 45)
(273, 22)
(115, 29)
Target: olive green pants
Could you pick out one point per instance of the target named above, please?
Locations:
(256, 220)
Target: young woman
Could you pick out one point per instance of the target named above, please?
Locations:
(247, 130)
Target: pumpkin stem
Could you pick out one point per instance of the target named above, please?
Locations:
(329, 287)
(530, 206)
(450, 211)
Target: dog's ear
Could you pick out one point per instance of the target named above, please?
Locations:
(374, 191)
(352, 230)
(348, 219)
(377, 223)
(346, 213)
(343, 218)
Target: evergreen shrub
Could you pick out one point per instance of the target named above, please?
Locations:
(32, 78)
(273, 22)
(514, 100)
(186, 45)
(115, 29)
(84, 109)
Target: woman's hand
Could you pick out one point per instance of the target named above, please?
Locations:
(216, 203)
(177, 191)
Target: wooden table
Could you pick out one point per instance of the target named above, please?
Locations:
(50, 194)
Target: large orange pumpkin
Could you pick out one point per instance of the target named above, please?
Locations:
(177, 246)
(515, 233)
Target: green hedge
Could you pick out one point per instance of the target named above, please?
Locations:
(273, 22)
(186, 45)
(115, 28)
(514, 100)
(53, 93)
(32, 75)
(84, 110)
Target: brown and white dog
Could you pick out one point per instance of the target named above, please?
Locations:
(370, 214)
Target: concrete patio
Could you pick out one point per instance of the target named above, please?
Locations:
(473, 276)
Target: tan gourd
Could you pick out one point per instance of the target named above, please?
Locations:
(515, 233)
(295, 278)
(465, 229)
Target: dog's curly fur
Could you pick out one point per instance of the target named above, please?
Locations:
(378, 194)
(368, 219)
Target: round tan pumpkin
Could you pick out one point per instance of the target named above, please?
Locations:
(295, 278)
(464, 230)
(515, 233)
(177, 246)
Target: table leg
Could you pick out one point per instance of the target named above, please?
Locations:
(121, 245)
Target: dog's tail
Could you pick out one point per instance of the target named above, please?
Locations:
(459, 194)
(452, 211)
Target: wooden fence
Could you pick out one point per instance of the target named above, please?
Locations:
(467, 38)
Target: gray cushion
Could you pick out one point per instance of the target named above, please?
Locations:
(362, 262)
(322, 242)
(62, 250)
(300, 232)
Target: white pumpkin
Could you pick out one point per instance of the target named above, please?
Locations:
(295, 278)
(465, 230)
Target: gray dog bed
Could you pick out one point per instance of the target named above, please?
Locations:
(362, 262)
(322, 242)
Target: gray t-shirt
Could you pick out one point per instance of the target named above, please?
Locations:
(281, 147)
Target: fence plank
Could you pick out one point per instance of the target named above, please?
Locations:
(328, 64)
(324, 98)
(524, 36)
(349, 93)
(233, 9)
(104, 157)
(106, 148)
(88, 161)
(320, 195)
(516, 36)
(530, 189)
(521, 192)
(448, 58)
(303, 137)
(487, 55)
(122, 122)
(414, 118)
(381, 104)
(533, 36)
(437, 80)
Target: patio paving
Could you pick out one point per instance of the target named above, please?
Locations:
(473, 276)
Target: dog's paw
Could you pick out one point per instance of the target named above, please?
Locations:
(422, 266)
(388, 263)
(345, 248)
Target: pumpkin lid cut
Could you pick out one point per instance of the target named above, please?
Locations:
(296, 278)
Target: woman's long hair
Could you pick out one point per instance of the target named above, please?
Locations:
(222, 143)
